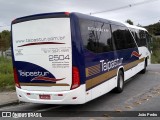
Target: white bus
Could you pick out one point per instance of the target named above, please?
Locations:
(72, 58)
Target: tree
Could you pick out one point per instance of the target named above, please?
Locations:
(5, 41)
(139, 25)
(154, 29)
(129, 22)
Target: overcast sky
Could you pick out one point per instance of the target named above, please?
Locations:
(143, 14)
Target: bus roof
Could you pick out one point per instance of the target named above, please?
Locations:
(135, 27)
(89, 17)
(65, 14)
(79, 15)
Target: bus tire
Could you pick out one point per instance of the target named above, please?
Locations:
(120, 82)
(144, 70)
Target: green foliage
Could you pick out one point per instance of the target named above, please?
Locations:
(154, 29)
(6, 74)
(5, 41)
(129, 22)
(5, 65)
(155, 57)
(6, 82)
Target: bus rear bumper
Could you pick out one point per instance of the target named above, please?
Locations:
(76, 96)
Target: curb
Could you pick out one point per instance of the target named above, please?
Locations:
(16, 102)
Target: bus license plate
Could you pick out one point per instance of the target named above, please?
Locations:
(45, 97)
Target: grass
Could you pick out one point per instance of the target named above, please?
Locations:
(155, 57)
(6, 74)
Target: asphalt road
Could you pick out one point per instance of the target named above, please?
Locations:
(141, 93)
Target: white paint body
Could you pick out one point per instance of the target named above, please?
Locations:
(45, 30)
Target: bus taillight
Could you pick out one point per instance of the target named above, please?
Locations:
(67, 13)
(75, 78)
(16, 78)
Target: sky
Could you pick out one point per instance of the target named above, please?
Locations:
(143, 14)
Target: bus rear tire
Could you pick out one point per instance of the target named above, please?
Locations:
(120, 82)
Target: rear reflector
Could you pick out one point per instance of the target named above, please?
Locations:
(16, 78)
(75, 78)
(74, 98)
(28, 93)
(60, 94)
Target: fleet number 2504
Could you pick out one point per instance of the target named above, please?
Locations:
(58, 57)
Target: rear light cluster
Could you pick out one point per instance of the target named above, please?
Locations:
(16, 78)
(67, 13)
(75, 78)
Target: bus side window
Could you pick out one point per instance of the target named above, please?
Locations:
(149, 40)
(137, 38)
(119, 37)
(148, 37)
(96, 36)
(129, 39)
(88, 35)
(104, 41)
(142, 41)
(133, 31)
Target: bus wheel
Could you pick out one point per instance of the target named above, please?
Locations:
(120, 82)
(144, 70)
